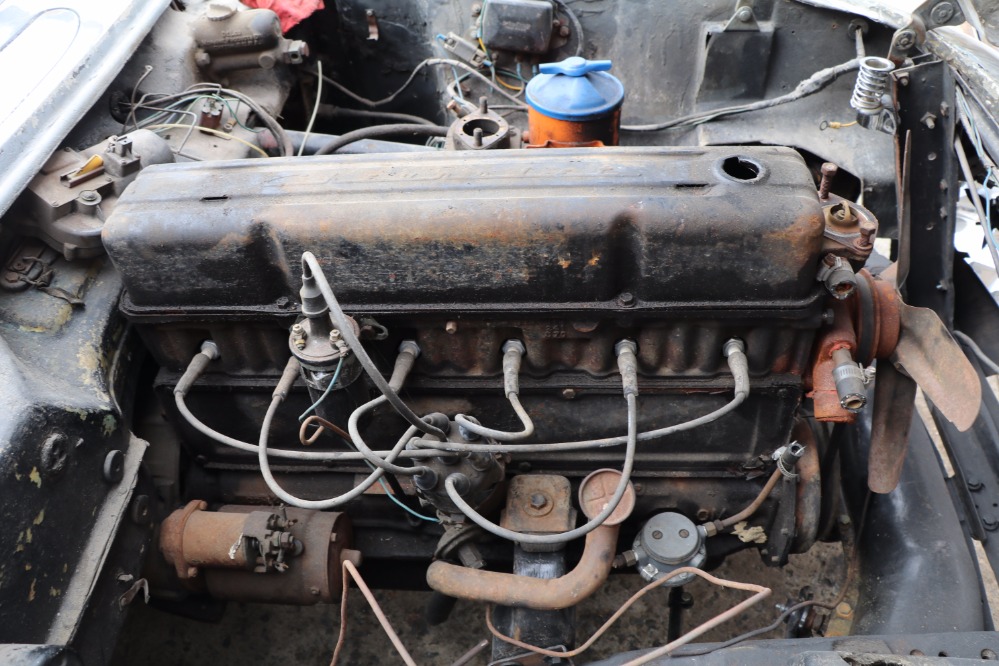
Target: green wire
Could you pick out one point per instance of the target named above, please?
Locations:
(399, 503)
(329, 389)
(191, 101)
(388, 492)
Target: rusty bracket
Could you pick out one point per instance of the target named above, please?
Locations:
(927, 16)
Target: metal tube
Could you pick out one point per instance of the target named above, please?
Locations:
(528, 592)
(849, 380)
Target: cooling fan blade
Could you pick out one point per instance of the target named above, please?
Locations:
(927, 356)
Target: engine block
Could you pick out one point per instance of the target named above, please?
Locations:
(678, 249)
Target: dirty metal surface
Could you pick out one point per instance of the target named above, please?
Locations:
(494, 230)
(67, 382)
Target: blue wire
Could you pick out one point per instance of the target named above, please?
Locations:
(454, 71)
(395, 499)
(388, 492)
(329, 389)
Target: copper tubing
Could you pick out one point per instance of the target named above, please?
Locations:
(350, 570)
(755, 504)
(760, 593)
(715, 526)
(527, 592)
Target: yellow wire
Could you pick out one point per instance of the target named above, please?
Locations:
(507, 85)
(210, 131)
(498, 79)
(832, 124)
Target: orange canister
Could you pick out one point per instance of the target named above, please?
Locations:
(574, 103)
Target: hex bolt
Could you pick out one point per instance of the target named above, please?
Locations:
(973, 483)
(844, 609)
(538, 501)
(828, 173)
(744, 15)
(563, 31)
(451, 327)
(89, 195)
(990, 522)
(568, 393)
(626, 299)
(114, 466)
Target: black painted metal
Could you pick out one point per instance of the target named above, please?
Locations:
(543, 628)
(916, 572)
(927, 110)
(974, 455)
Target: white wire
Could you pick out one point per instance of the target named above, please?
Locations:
(315, 108)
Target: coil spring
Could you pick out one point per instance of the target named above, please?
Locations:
(872, 84)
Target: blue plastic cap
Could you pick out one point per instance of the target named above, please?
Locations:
(575, 89)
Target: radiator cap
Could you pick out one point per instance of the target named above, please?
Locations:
(575, 89)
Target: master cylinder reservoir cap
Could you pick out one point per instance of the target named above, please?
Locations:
(574, 102)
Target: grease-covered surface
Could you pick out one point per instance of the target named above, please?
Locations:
(251, 633)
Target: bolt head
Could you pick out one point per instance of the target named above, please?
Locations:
(563, 31)
(626, 298)
(906, 39)
(569, 393)
(451, 327)
(538, 501)
(942, 13)
(745, 14)
(657, 534)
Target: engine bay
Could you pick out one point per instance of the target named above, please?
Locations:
(498, 300)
